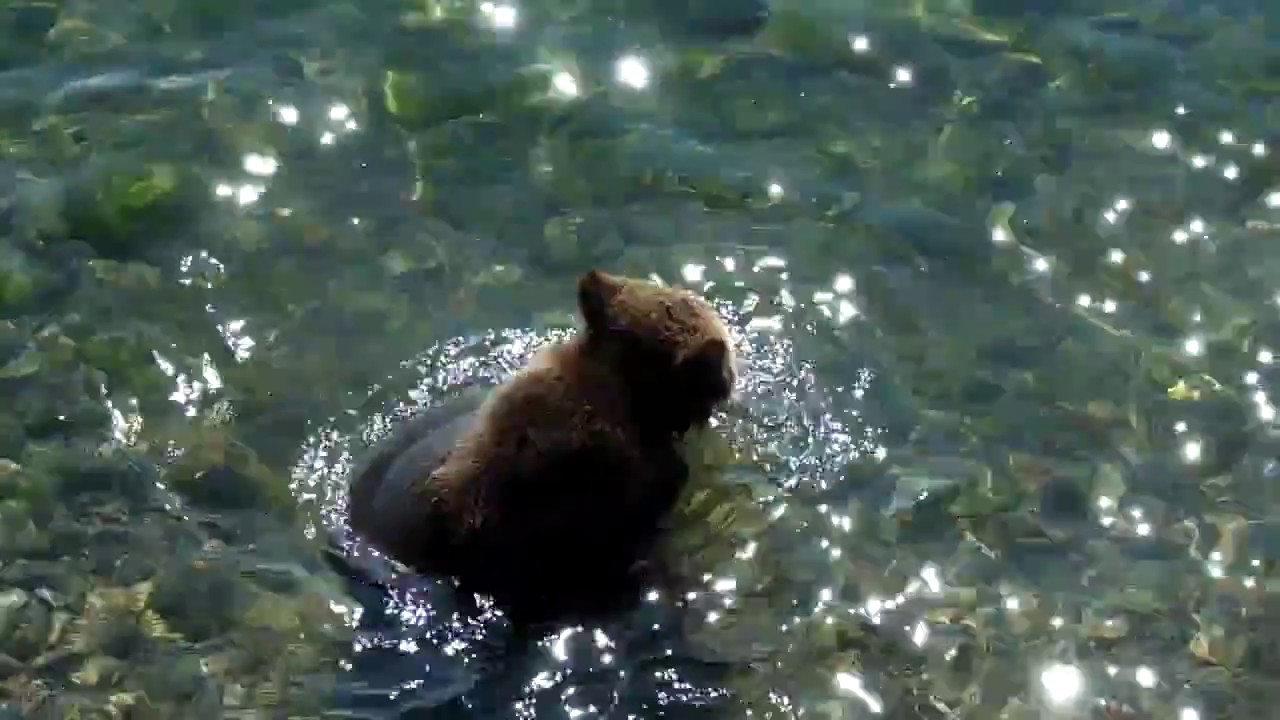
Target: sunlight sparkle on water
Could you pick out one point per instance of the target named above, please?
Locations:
(932, 577)
(559, 645)
(853, 685)
(248, 194)
(240, 343)
(920, 633)
(287, 114)
(693, 272)
(1266, 411)
(725, 585)
(1161, 139)
(632, 71)
(1193, 346)
(126, 426)
(845, 311)
(260, 165)
(860, 43)
(1192, 451)
(501, 16)
(1063, 684)
(565, 84)
(769, 262)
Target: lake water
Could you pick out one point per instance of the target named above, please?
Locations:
(1003, 275)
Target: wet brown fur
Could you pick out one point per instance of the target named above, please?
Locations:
(553, 496)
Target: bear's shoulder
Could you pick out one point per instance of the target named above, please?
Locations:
(556, 423)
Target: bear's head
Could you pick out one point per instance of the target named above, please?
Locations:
(670, 345)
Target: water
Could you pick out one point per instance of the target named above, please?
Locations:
(1001, 272)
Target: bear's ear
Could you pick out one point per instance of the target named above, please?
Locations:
(709, 370)
(596, 294)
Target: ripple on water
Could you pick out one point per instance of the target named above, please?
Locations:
(749, 533)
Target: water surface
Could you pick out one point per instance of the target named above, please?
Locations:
(1002, 274)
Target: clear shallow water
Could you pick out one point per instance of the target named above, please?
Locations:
(1003, 273)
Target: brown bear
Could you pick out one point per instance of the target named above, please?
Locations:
(548, 494)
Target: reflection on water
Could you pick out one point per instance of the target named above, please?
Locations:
(1001, 274)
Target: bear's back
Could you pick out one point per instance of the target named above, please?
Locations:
(556, 484)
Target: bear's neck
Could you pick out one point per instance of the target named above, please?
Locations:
(642, 384)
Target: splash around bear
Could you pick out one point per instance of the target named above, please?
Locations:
(549, 493)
